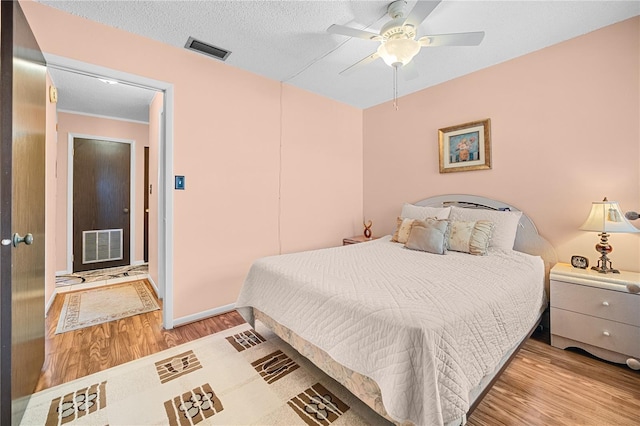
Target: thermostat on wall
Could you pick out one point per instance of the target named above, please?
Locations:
(179, 182)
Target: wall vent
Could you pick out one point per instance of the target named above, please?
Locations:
(207, 49)
(101, 245)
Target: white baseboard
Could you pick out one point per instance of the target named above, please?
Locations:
(204, 314)
(47, 306)
(138, 262)
(154, 285)
(59, 273)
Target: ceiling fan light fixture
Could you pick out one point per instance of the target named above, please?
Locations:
(398, 52)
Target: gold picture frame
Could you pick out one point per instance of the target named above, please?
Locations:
(465, 147)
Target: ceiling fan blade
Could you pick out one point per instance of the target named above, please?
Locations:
(353, 32)
(420, 11)
(409, 71)
(359, 64)
(459, 39)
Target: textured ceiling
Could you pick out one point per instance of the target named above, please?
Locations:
(287, 40)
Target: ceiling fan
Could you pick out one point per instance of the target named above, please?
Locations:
(397, 40)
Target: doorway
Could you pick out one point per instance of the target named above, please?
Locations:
(164, 278)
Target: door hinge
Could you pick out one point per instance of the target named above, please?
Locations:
(73, 257)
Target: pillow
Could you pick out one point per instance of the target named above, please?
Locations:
(421, 212)
(402, 230)
(430, 235)
(505, 224)
(470, 237)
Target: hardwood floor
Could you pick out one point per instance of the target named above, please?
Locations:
(542, 386)
(79, 353)
(549, 386)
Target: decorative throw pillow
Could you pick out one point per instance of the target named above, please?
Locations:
(505, 224)
(430, 235)
(422, 212)
(470, 237)
(402, 230)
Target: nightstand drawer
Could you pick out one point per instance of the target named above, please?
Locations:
(601, 303)
(611, 335)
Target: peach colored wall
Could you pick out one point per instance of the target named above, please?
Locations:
(565, 132)
(107, 128)
(227, 129)
(51, 139)
(321, 180)
(154, 110)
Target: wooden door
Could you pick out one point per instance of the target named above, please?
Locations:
(101, 203)
(146, 204)
(22, 201)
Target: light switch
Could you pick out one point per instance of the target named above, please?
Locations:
(180, 182)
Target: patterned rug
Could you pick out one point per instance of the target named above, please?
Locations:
(238, 376)
(91, 307)
(136, 271)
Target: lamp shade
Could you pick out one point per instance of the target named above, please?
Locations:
(606, 216)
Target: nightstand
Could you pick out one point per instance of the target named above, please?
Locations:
(357, 239)
(599, 313)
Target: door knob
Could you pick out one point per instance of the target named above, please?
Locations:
(126, 210)
(17, 239)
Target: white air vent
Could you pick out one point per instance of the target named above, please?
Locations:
(207, 49)
(101, 245)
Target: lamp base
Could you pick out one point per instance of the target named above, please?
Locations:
(604, 264)
(605, 269)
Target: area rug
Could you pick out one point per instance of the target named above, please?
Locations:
(95, 306)
(103, 275)
(237, 377)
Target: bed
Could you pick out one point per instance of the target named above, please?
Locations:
(417, 336)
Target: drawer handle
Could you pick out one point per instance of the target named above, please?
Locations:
(633, 364)
(605, 303)
(606, 333)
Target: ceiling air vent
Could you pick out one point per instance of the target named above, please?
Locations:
(207, 49)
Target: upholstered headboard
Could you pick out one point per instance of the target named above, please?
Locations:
(528, 240)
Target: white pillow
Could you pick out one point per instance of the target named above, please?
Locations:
(411, 211)
(505, 224)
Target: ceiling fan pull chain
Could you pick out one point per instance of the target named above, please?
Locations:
(395, 87)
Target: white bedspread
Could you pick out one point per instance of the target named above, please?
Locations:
(425, 327)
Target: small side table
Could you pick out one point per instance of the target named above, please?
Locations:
(599, 313)
(357, 239)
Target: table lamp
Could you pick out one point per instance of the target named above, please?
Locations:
(606, 217)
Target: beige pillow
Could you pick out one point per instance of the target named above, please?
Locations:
(470, 237)
(430, 235)
(505, 224)
(402, 230)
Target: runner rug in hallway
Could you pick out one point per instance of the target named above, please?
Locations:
(235, 377)
(95, 306)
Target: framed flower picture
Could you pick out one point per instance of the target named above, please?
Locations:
(465, 147)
